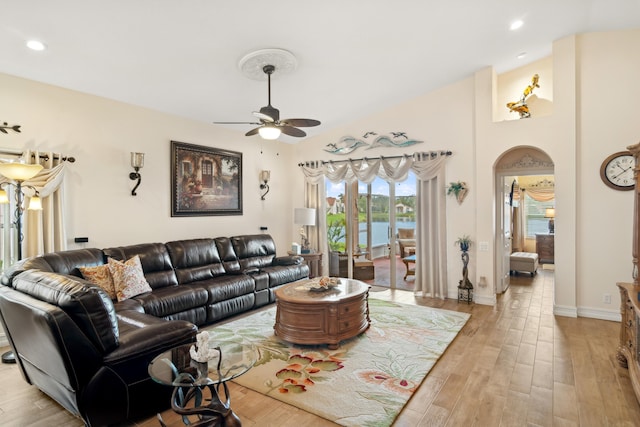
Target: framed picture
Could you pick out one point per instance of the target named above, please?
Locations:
(205, 181)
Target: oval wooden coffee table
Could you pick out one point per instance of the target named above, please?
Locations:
(304, 316)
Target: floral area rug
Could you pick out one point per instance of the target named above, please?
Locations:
(367, 380)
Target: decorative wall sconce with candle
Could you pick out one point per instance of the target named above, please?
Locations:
(137, 162)
(265, 176)
(304, 217)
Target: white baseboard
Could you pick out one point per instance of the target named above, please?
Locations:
(485, 299)
(598, 313)
(566, 311)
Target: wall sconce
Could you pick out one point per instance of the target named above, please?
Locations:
(264, 179)
(551, 214)
(137, 162)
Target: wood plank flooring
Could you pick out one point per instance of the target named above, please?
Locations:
(515, 364)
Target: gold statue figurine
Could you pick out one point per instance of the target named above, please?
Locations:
(521, 106)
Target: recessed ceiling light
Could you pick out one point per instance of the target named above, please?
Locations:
(516, 24)
(36, 45)
(521, 55)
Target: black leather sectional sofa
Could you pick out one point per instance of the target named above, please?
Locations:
(90, 353)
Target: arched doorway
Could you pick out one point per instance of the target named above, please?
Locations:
(517, 170)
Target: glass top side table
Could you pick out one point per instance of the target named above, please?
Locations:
(197, 384)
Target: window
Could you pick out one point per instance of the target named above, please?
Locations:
(536, 223)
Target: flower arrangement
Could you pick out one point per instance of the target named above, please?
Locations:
(459, 189)
(324, 283)
(464, 242)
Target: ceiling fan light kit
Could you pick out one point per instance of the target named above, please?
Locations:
(269, 132)
(257, 65)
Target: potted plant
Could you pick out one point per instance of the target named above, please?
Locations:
(464, 242)
(458, 189)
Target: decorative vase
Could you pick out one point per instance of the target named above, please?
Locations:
(465, 287)
(461, 195)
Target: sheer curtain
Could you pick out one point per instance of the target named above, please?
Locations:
(429, 167)
(44, 230)
(431, 244)
(314, 197)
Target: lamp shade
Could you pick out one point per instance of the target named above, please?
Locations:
(269, 132)
(19, 171)
(550, 213)
(4, 198)
(35, 203)
(265, 176)
(304, 216)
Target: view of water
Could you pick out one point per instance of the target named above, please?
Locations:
(380, 231)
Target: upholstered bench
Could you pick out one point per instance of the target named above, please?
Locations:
(524, 261)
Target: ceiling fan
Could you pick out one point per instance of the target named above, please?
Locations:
(270, 126)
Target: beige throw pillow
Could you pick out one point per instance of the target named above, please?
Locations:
(128, 278)
(101, 276)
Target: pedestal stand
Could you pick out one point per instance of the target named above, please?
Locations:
(465, 287)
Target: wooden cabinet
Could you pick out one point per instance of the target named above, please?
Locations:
(628, 354)
(544, 248)
(314, 261)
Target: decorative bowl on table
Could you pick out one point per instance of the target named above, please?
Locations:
(323, 284)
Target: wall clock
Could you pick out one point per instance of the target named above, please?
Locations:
(617, 171)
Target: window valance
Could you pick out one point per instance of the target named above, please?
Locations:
(392, 168)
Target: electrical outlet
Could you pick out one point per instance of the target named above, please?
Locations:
(606, 298)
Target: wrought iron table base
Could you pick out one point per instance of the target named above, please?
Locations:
(214, 414)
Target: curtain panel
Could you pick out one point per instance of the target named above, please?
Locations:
(45, 230)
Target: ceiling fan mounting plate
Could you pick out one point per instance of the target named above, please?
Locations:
(253, 64)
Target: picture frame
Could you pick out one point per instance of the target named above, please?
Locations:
(205, 180)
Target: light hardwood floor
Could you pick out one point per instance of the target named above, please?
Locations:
(515, 364)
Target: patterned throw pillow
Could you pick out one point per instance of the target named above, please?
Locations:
(101, 276)
(128, 278)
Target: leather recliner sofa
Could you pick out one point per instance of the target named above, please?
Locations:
(90, 353)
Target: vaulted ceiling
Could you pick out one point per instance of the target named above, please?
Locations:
(354, 57)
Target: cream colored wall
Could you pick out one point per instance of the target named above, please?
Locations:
(589, 114)
(101, 133)
(608, 64)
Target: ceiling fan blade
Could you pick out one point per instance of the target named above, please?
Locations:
(301, 123)
(236, 123)
(253, 131)
(291, 131)
(263, 116)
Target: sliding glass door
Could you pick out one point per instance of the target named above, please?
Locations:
(370, 217)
